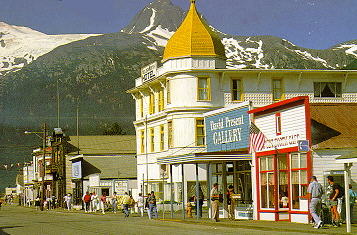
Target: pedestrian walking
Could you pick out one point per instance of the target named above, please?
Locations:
(86, 201)
(215, 202)
(103, 202)
(126, 201)
(68, 201)
(147, 205)
(230, 202)
(47, 204)
(152, 206)
(94, 203)
(336, 194)
(315, 192)
(353, 197)
(114, 202)
(140, 205)
(37, 203)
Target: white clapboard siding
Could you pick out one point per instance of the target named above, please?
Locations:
(292, 121)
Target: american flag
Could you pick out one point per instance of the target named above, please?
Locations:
(256, 139)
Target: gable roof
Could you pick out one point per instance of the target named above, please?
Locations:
(104, 144)
(110, 167)
(342, 118)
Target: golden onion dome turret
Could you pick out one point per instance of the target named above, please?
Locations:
(194, 38)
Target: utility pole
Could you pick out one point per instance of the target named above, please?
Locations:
(146, 154)
(44, 166)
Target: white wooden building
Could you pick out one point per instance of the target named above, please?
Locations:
(173, 95)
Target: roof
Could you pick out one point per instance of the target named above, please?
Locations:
(104, 144)
(280, 105)
(194, 38)
(110, 167)
(334, 125)
(351, 155)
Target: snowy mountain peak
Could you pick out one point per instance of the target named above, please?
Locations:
(158, 21)
(21, 45)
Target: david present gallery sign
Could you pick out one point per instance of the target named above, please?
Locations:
(227, 128)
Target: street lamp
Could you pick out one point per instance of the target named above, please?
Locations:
(44, 132)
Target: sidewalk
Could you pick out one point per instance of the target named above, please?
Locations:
(281, 226)
(254, 225)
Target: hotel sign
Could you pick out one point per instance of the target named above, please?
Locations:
(227, 129)
(149, 72)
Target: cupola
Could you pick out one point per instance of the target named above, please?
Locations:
(194, 38)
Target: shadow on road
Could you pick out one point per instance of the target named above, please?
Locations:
(5, 227)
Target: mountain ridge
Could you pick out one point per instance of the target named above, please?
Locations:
(20, 45)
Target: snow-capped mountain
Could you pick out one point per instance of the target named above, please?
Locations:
(21, 45)
(159, 20)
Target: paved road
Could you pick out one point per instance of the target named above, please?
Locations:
(18, 220)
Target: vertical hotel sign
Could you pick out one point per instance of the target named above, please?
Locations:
(227, 128)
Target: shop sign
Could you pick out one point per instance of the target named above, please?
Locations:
(227, 130)
(303, 145)
(282, 141)
(106, 183)
(149, 72)
(77, 170)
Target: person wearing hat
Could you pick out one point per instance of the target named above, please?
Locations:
(315, 193)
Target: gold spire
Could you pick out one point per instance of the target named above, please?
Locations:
(194, 38)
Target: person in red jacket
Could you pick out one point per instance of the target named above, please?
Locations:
(86, 200)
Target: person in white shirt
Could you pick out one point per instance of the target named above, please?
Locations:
(94, 202)
(140, 204)
(68, 201)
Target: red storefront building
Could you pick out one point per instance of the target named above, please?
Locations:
(284, 165)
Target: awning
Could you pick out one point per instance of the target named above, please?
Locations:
(203, 158)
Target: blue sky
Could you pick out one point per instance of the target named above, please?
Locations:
(316, 24)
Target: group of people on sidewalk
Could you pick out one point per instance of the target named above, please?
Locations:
(336, 197)
(93, 203)
(216, 198)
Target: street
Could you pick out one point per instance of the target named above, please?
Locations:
(19, 220)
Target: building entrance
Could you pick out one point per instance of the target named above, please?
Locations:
(238, 175)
